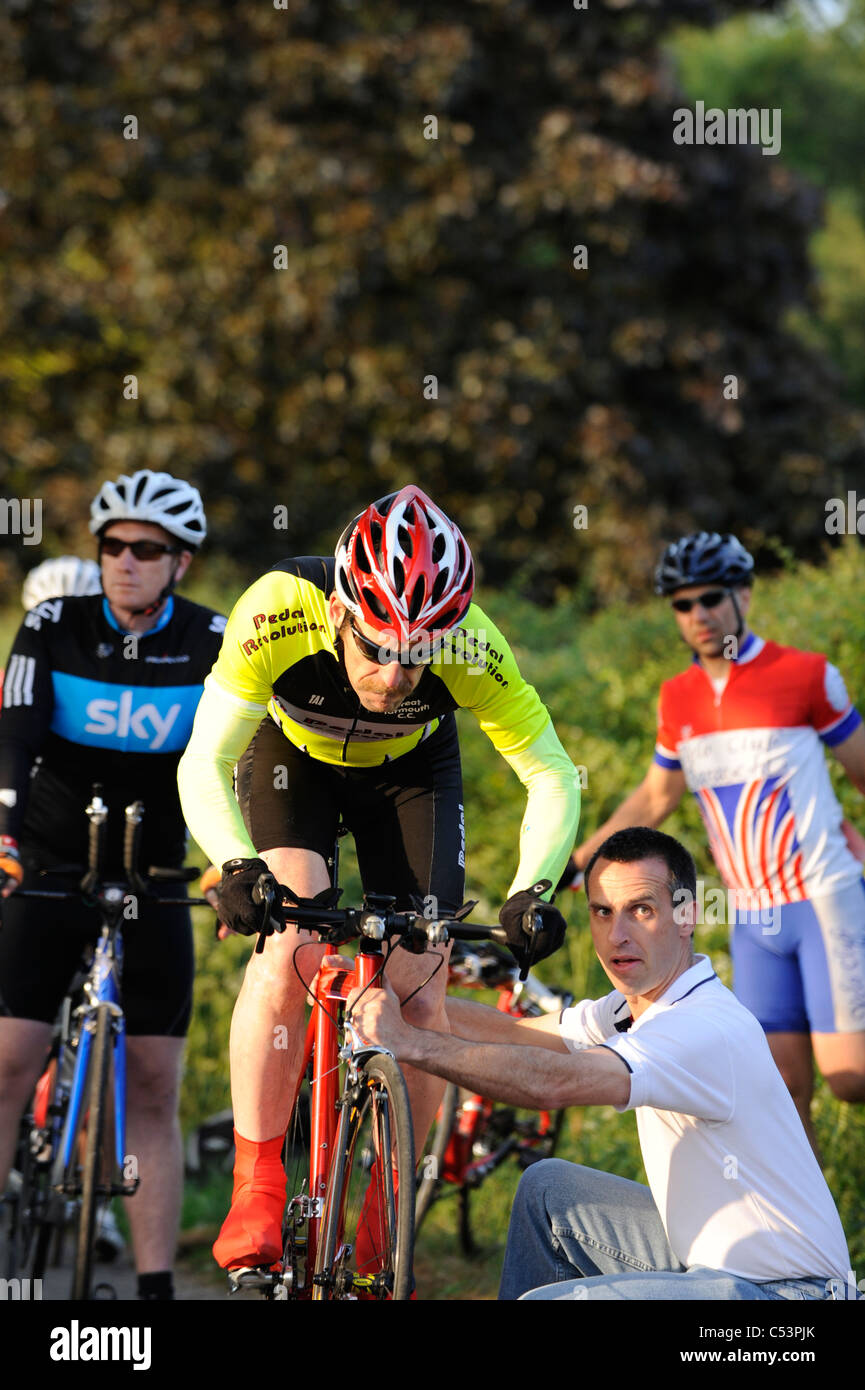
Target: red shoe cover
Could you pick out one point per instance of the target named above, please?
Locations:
(252, 1231)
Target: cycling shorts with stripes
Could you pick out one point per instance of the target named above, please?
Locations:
(800, 968)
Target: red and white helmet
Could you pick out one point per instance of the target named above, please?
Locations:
(403, 567)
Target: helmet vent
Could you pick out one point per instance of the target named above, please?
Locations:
(417, 599)
(361, 557)
(439, 586)
(404, 538)
(374, 602)
(439, 547)
(398, 578)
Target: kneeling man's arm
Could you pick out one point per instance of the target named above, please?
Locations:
(511, 1072)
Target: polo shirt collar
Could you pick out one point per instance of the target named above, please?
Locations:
(697, 974)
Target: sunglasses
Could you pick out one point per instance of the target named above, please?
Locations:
(142, 550)
(710, 599)
(419, 654)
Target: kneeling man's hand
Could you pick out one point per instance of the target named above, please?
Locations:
(375, 1014)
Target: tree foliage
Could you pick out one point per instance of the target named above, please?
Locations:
(814, 73)
(405, 258)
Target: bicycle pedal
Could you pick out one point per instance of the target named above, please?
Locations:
(251, 1277)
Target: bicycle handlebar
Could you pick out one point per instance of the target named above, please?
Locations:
(377, 920)
(92, 881)
(132, 842)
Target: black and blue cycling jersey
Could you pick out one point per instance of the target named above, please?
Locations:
(84, 702)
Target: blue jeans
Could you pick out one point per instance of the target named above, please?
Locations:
(577, 1233)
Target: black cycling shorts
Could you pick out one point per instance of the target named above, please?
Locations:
(42, 943)
(406, 816)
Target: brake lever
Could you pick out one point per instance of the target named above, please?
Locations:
(537, 926)
(263, 893)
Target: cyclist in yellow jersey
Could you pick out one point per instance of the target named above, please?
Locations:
(335, 689)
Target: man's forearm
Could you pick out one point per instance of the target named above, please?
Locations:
(515, 1075)
(480, 1023)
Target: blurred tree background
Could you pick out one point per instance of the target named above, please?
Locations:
(297, 380)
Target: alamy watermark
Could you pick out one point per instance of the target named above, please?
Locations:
(22, 516)
(842, 1290)
(20, 1290)
(845, 517)
(715, 907)
(737, 126)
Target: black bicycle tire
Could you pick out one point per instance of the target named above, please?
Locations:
(429, 1184)
(296, 1160)
(34, 1210)
(48, 1231)
(381, 1072)
(97, 1084)
(19, 1206)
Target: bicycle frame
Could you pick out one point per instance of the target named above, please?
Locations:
(100, 1172)
(314, 1234)
(336, 978)
(102, 986)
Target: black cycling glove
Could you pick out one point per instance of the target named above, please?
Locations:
(238, 909)
(516, 918)
(328, 897)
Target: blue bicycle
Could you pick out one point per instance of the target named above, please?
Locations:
(80, 1099)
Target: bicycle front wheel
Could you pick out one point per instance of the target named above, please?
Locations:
(368, 1229)
(92, 1169)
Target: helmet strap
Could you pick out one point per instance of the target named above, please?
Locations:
(155, 606)
(157, 603)
(739, 619)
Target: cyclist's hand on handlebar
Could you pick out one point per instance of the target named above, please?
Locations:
(238, 909)
(11, 870)
(516, 917)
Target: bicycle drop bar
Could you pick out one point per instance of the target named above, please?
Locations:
(376, 920)
(92, 882)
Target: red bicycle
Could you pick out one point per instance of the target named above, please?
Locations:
(348, 1230)
(473, 1135)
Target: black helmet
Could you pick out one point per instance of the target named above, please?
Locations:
(704, 557)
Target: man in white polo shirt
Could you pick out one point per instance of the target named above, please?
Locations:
(736, 1207)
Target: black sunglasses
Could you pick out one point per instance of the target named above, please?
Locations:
(710, 599)
(142, 550)
(419, 654)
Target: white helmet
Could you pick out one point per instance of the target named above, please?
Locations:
(66, 575)
(164, 501)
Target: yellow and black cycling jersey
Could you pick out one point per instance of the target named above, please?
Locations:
(279, 651)
(279, 656)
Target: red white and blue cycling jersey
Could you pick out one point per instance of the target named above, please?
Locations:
(750, 751)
